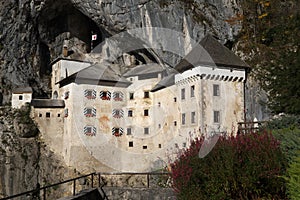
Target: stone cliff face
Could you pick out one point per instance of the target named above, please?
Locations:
(25, 160)
(32, 32)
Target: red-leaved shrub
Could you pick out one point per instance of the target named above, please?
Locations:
(242, 167)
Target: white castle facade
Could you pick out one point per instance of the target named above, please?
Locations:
(100, 119)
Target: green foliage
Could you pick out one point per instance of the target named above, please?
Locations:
(289, 121)
(271, 29)
(293, 178)
(289, 141)
(242, 167)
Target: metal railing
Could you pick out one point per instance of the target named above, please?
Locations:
(146, 175)
(100, 176)
(44, 189)
(248, 127)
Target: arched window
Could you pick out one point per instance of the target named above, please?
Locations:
(55, 95)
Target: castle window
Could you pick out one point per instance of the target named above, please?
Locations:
(20, 97)
(118, 96)
(182, 94)
(146, 112)
(105, 95)
(145, 147)
(159, 145)
(184, 144)
(130, 113)
(175, 99)
(58, 115)
(90, 130)
(183, 118)
(216, 116)
(130, 144)
(175, 123)
(192, 91)
(90, 112)
(146, 94)
(146, 131)
(117, 131)
(48, 114)
(216, 90)
(131, 95)
(90, 94)
(67, 94)
(129, 131)
(193, 117)
(40, 115)
(118, 113)
(66, 111)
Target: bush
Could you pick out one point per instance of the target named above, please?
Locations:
(243, 167)
(288, 121)
(289, 141)
(293, 179)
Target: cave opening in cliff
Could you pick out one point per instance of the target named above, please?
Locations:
(44, 52)
(60, 21)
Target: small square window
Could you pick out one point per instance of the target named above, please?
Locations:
(146, 112)
(144, 147)
(159, 146)
(216, 116)
(131, 96)
(146, 94)
(20, 97)
(130, 113)
(129, 131)
(130, 144)
(47, 114)
(40, 115)
(216, 90)
(146, 131)
(192, 91)
(58, 115)
(183, 118)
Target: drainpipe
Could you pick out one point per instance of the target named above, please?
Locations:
(246, 78)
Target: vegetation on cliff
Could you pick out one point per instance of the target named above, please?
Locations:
(271, 37)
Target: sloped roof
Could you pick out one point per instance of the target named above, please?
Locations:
(21, 90)
(48, 103)
(164, 82)
(144, 69)
(96, 74)
(210, 52)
